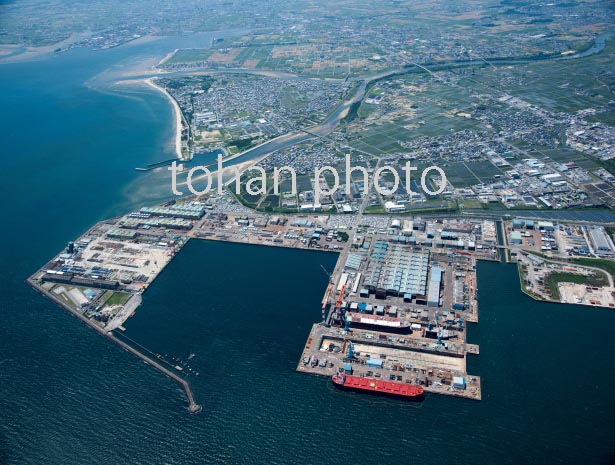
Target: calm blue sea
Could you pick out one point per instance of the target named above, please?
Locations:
(67, 396)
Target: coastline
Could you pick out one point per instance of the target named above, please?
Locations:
(178, 115)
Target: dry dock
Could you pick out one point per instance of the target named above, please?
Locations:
(326, 353)
(396, 310)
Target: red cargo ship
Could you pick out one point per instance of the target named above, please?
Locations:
(375, 386)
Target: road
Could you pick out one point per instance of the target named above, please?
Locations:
(246, 159)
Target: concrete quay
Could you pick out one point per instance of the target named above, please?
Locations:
(99, 278)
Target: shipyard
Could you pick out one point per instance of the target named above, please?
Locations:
(398, 303)
(396, 310)
(399, 334)
(236, 229)
(397, 306)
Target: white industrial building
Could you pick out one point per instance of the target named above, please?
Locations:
(433, 294)
(603, 244)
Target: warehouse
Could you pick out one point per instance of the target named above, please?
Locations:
(515, 238)
(433, 295)
(601, 241)
(186, 211)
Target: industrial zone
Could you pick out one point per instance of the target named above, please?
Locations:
(398, 304)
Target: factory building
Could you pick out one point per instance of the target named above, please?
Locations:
(546, 226)
(459, 289)
(459, 382)
(391, 207)
(449, 236)
(147, 223)
(407, 228)
(435, 282)
(57, 277)
(515, 238)
(186, 211)
(601, 240)
(301, 223)
(70, 278)
(121, 234)
(354, 261)
(518, 224)
(95, 282)
(394, 270)
(342, 282)
(551, 178)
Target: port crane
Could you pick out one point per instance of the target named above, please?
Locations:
(338, 305)
(438, 329)
(325, 300)
(350, 352)
(327, 294)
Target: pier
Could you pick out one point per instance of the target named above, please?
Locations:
(420, 332)
(193, 406)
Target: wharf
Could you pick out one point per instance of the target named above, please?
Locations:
(472, 349)
(431, 368)
(234, 227)
(101, 276)
(419, 341)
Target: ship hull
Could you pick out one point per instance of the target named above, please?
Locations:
(376, 327)
(378, 323)
(408, 397)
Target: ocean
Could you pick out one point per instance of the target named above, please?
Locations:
(68, 396)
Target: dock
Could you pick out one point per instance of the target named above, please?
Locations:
(396, 310)
(420, 290)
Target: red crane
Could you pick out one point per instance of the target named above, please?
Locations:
(338, 304)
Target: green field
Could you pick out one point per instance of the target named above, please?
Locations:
(189, 56)
(602, 263)
(566, 86)
(553, 279)
(117, 298)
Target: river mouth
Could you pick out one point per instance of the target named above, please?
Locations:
(245, 159)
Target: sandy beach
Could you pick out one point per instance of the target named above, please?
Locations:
(178, 116)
